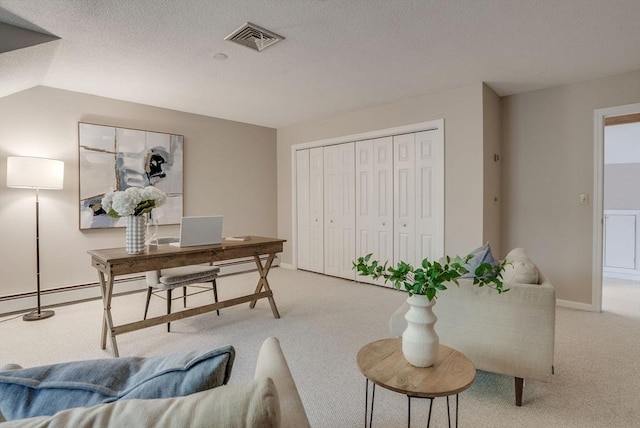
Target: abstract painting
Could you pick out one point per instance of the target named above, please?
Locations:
(117, 158)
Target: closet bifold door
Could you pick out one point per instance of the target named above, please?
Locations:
(404, 199)
(339, 210)
(316, 209)
(418, 196)
(374, 201)
(302, 208)
(309, 208)
(429, 179)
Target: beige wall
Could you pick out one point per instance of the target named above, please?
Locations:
(230, 169)
(492, 198)
(548, 145)
(461, 110)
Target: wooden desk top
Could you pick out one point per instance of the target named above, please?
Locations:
(116, 261)
(383, 363)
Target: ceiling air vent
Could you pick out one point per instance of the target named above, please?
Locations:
(254, 37)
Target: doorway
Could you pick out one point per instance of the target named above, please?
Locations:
(616, 262)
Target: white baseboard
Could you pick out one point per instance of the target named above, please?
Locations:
(632, 276)
(575, 305)
(65, 295)
(287, 266)
(73, 294)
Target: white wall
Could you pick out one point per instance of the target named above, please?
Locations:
(230, 169)
(548, 147)
(462, 111)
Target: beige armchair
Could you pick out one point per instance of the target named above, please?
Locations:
(169, 279)
(511, 333)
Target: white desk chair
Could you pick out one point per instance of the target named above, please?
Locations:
(168, 279)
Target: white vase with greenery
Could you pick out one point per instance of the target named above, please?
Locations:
(135, 233)
(419, 341)
(134, 203)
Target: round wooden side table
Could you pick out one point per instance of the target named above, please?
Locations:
(383, 363)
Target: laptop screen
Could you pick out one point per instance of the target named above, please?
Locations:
(200, 230)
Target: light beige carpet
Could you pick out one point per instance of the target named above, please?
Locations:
(324, 323)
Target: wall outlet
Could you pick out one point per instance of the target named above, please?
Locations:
(584, 199)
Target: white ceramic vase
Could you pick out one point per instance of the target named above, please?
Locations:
(419, 341)
(135, 233)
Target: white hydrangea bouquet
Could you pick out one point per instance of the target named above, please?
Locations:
(134, 201)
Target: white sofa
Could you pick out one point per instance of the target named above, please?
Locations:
(270, 400)
(511, 333)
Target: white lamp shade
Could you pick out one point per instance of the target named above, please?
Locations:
(35, 173)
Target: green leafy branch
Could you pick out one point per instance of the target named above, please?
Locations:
(430, 278)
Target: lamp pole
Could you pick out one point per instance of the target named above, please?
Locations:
(39, 314)
(35, 173)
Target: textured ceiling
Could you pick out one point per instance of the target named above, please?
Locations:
(338, 56)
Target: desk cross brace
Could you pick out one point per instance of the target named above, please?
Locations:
(263, 283)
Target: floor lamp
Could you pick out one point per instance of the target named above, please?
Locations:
(35, 173)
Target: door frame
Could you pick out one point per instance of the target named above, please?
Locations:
(599, 115)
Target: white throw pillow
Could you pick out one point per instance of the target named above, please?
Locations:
(519, 268)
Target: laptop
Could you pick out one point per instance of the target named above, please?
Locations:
(199, 230)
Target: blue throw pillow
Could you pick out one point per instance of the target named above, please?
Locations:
(480, 255)
(46, 390)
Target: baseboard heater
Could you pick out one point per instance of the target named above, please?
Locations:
(60, 296)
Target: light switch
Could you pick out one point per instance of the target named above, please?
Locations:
(584, 198)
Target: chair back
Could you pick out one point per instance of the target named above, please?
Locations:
(153, 276)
